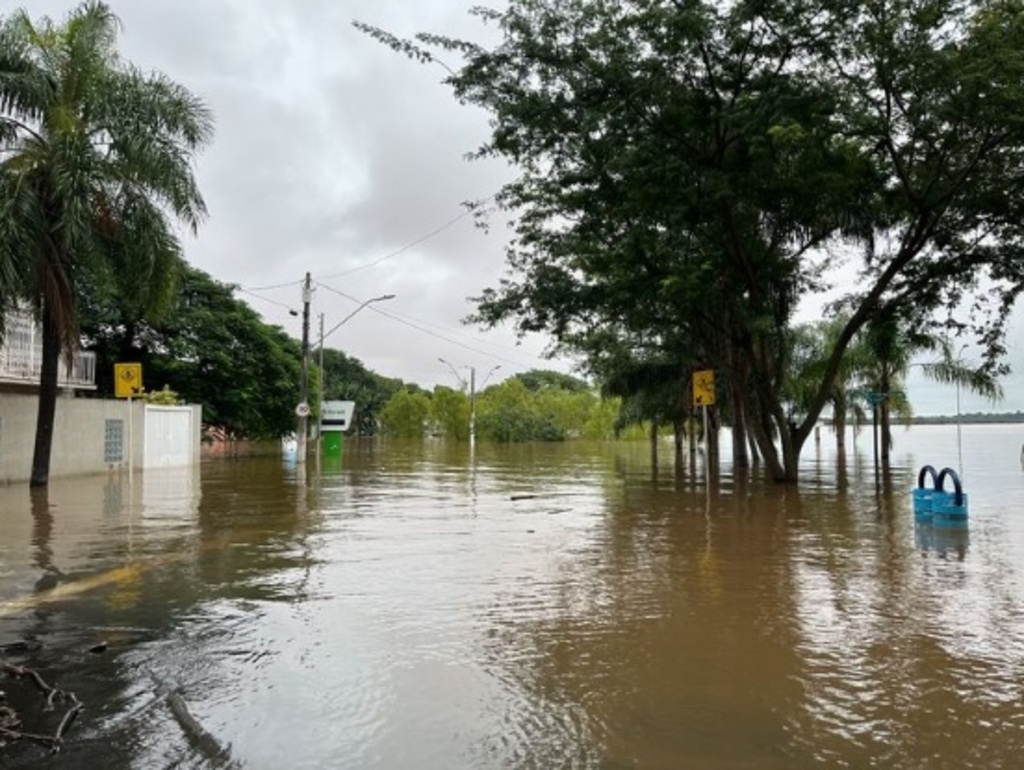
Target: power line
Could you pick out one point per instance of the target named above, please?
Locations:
(436, 231)
(473, 208)
(410, 324)
(251, 292)
(274, 286)
(446, 330)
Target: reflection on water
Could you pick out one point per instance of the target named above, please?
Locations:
(529, 607)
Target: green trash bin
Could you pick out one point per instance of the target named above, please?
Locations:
(333, 443)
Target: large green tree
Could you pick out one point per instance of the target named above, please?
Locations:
(211, 348)
(96, 162)
(406, 413)
(699, 166)
(450, 410)
(537, 380)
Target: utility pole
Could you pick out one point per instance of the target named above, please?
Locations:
(303, 408)
(472, 405)
(320, 395)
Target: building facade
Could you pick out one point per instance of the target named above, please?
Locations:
(91, 435)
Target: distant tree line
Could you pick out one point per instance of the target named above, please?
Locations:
(537, 405)
(970, 418)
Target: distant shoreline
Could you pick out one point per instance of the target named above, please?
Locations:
(974, 418)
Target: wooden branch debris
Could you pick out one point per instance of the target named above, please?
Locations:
(197, 735)
(10, 725)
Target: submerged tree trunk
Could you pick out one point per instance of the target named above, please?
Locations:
(712, 438)
(755, 454)
(654, 444)
(47, 402)
(678, 428)
(740, 458)
(839, 410)
(782, 459)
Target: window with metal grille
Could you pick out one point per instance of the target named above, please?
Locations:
(113, 441)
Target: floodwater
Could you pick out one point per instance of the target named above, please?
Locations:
(541, 606)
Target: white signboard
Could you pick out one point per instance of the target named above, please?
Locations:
(337, 415)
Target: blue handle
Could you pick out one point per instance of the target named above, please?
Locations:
(958, 497)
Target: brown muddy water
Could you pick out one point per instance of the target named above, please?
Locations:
(542, 606)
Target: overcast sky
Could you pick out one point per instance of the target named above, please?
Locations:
(332, 155)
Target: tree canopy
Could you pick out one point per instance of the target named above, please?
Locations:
(211, 349)
(347, 379)
(692, 170)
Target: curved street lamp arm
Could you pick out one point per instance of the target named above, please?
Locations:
(344, 320)
(488, 375)
(462, 382)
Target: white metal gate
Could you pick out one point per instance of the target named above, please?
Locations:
(169, 439)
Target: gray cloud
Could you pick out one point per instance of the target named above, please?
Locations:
(332, 151)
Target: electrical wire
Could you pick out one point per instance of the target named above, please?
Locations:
(410, 324)
(427, 236)
(251, 293)
(273, 286)
(444, 329)
(473, 208)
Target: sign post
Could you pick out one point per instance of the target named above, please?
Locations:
(704, 393)
(128, 383)
(335, 418)
(704, 396)
(875, 397)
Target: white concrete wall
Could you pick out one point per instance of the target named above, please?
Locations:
(169, 437)
(78, 437)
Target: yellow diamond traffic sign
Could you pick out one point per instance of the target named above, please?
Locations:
(127, 380)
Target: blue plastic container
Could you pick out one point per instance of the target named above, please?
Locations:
(924, 497)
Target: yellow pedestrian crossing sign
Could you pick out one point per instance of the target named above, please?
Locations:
(127, 380)
(704, 388)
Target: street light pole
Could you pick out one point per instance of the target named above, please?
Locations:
(959, 443)
(472, 392)
(472, 406)
(303, 406)
(320, 390)
(323, 336)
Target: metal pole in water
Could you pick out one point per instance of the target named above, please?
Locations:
(959, 442)
(707, 451)
(131, 441)
(874, 434)
(303, 407)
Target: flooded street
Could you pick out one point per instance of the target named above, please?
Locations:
(540, 606)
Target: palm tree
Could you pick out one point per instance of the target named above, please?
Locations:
(892, 343)
(95, 162)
